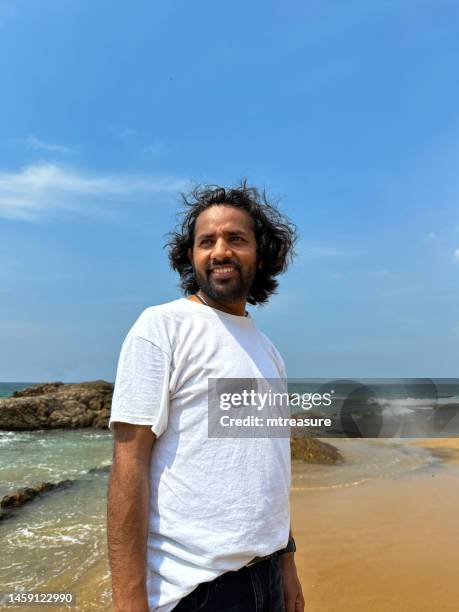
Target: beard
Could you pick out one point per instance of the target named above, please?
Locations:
(226, 289)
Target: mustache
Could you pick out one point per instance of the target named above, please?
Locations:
(227, 262)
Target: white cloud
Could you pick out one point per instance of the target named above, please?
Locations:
(45, 189)
(154, 149)
(127, 132)
(456, 254)
(382, 272)
(124, 134)
(320, 251)
(39, 145)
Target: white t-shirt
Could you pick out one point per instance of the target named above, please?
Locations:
(215, 503)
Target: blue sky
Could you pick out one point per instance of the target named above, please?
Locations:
(348, 114)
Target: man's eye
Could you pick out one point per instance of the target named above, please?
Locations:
(237, 238)
(204, 241)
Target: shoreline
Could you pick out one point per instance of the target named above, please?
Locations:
(446, 449)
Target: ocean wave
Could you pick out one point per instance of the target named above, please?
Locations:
(10, 437)
(364, 461)
(416, 403)
(48, 535)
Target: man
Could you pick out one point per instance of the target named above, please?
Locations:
(196, 522)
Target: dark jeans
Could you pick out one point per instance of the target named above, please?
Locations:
(257, 588)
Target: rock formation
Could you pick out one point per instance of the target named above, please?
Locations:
(313, 450)
(58, 405)
(27, 494)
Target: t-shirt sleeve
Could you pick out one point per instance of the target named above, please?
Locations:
(141, 393)
(281, 365)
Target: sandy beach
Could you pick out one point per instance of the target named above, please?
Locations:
(386, 545)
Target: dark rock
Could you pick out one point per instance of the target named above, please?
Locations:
(100, 470)
(313, 450)
(27, 494)
(58, 405)
(38, 389)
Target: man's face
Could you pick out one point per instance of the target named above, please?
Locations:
(224, 254)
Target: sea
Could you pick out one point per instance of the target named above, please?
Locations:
(58, 541)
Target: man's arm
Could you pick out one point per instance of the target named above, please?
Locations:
(293, 594)
(127, 515)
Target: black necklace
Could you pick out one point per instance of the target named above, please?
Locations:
(246, 314)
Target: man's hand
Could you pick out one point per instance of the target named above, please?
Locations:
(293, 594)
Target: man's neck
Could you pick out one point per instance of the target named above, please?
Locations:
(234, 308)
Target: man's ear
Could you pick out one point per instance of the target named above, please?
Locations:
(260, 264)
(190, 255)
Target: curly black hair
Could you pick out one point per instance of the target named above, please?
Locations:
(275, 235)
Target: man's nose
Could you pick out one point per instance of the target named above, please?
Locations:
(221, 249)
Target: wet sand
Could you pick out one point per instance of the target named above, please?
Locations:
(444, 448)
(386, 546)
